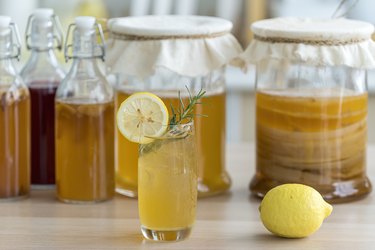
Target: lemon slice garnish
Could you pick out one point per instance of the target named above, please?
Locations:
(142, 116)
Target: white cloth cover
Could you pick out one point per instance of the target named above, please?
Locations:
(190, 57)
(360, 53)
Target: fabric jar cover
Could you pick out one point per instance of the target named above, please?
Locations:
(187, 45)
(331, 42)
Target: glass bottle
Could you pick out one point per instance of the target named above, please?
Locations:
(84, 122)
(42, 73)
(14, 118)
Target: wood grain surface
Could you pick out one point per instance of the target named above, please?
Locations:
(229, 221)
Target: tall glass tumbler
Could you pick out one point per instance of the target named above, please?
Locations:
(167, 185)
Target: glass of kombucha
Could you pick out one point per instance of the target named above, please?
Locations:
(84, 124)
(14, 120)
(167, 185)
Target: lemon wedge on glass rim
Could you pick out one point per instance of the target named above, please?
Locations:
(142, 116)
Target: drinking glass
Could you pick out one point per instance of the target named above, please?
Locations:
(167, 184)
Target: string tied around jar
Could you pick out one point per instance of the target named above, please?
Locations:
(126, 37)
(330, 42)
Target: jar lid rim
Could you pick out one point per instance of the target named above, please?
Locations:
(307, 29)
(169, 25)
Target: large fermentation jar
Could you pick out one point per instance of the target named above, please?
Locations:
(167, 55)
(311, 104)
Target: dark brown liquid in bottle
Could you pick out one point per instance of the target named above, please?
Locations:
(43, 133)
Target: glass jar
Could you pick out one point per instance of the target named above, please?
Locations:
(311, 111)
(84, 122)
(14, 118)
(166, 55)
(42, 73)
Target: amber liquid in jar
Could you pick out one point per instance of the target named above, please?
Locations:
(210, 134)
(315, 137)
(84, 151)
(14, 143)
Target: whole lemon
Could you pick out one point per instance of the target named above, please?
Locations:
(293, 210)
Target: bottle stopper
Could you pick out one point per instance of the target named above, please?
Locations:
(85, 23)
(43, 14)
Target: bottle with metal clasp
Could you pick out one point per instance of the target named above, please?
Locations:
(84, 121)
(14, 117)
(42, 73)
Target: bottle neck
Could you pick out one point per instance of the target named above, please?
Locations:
(85, 67)
(44, 56)
(42, 36)
(7, 67)
(84, 51)
(42, 64)
(84, 45)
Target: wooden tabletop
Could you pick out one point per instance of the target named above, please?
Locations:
(230, 221)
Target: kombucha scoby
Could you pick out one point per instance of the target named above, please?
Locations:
(313, 137)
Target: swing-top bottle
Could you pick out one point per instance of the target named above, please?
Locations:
(84, 121)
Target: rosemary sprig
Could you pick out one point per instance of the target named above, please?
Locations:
(183, 111)
(179, 114)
